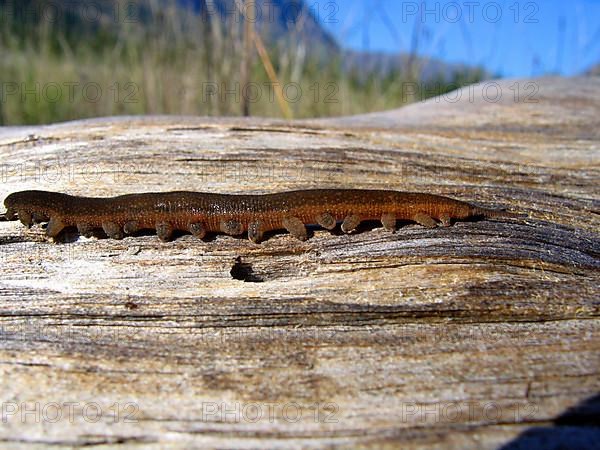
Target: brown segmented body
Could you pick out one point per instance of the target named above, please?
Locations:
(198, 212)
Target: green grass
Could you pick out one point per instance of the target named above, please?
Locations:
(52, 71)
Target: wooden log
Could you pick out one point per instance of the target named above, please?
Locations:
(466, 336)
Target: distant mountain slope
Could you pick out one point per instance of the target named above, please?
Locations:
(421, 67)
(294, 22)
(593, 71)
(278, 19)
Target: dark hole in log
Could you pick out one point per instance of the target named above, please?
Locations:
(244, 272)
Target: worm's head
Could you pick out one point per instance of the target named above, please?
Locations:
(24, 203)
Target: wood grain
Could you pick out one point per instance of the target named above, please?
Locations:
(464, 337)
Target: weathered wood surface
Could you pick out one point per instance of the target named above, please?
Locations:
(464, 337)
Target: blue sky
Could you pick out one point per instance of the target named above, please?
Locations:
(508, 37)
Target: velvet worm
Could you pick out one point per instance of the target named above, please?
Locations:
(200, 213)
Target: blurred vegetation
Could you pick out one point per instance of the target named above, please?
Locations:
(57, 67)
